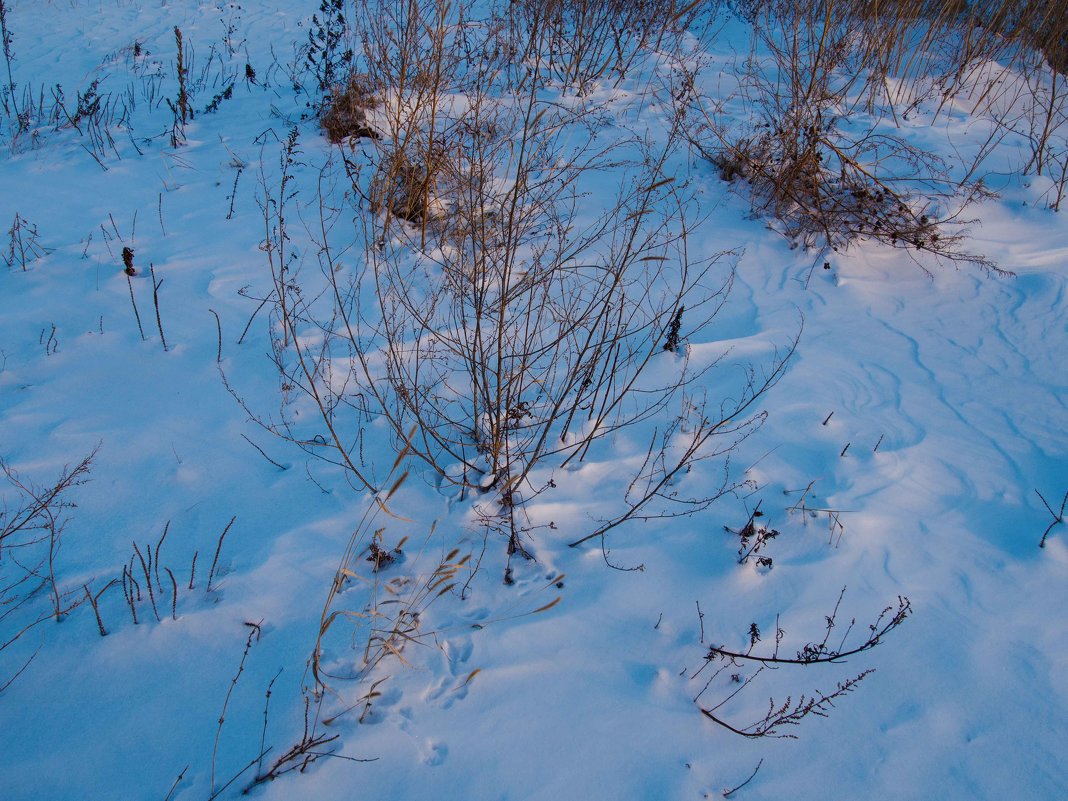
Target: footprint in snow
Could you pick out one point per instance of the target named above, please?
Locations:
(433, 753)
(381, 707)
(445, 691)
(458, 652)
(452, 688)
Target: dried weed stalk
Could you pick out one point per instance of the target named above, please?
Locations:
(32, 520)
(24, 247)
(779, 716)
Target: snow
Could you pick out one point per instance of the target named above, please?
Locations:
(945, 389)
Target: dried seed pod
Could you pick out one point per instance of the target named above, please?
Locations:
(127, 261)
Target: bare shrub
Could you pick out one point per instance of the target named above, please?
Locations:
(522, 332)
(829, 189)
(501, 319)
(1000, 60)
(580, 42)
(804, 165)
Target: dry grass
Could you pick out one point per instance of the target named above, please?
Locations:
(828, 83)
(344, 115)
(409, 189)
(33, 517)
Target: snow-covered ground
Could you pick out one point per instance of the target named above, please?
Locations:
(902, 456)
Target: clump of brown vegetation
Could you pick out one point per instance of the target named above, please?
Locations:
(344, 114)
(406, 187)
(815, 129)
(827, 189)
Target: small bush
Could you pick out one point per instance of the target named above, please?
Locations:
(808, 165)
(344, 115)
(828, 191)
(408, 187)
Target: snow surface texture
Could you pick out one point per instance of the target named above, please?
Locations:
(949, 397)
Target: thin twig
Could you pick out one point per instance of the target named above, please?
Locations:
(1058, 517)
(266, 707)
(264, 455)
(174, 598)
(218, 548)
(193, 569)
(254, 633)
(96, 609)
(176, 783)
(127, 590)
(148, 579)
(218, 328)
(155, 300)
(248, 325)
(159, 545)
(137, 314)
(20, 671)
(255, 760)
(233, 194)
(729, 793)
